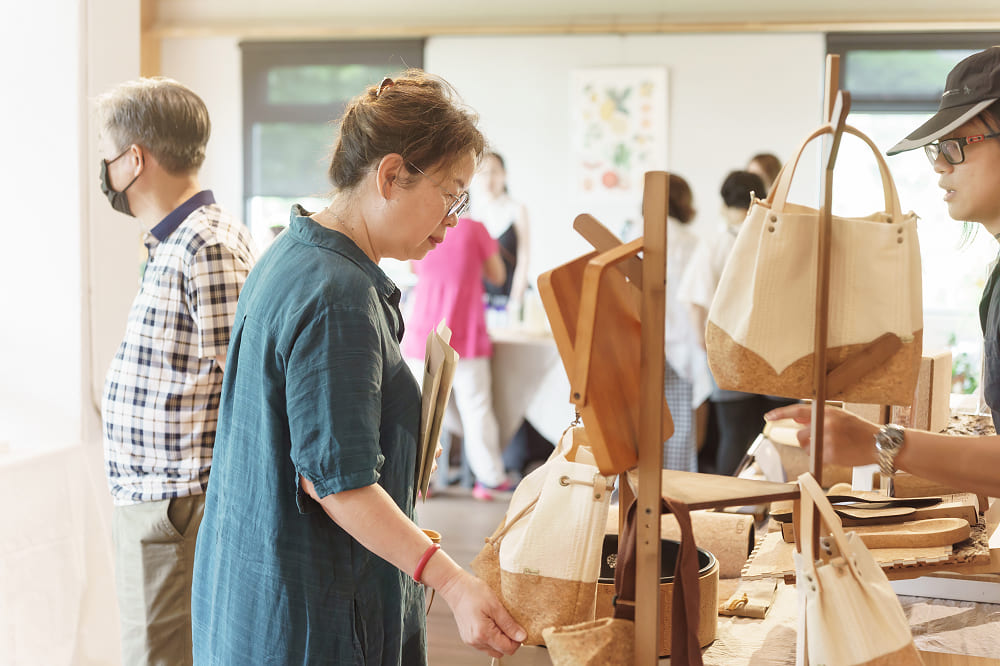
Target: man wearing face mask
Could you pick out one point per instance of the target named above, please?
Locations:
(161, 395)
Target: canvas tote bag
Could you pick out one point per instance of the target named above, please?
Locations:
(760, 333)
(544, 559)
(852, 615)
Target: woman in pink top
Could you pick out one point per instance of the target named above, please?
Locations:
(449, 286)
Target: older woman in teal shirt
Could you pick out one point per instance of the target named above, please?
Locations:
(308, 551)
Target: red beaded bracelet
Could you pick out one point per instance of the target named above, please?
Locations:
(424, 559)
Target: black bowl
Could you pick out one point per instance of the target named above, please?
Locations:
(669, 550)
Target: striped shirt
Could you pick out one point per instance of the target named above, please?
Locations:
(161, 395)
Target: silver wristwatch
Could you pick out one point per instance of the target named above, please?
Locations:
(888, 443)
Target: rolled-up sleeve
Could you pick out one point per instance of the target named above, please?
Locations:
(334, 397)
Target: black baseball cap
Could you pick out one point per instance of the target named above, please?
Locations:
(971, 86)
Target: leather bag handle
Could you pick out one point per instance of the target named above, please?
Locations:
(812, 496)
(684, 612)
(778, 196)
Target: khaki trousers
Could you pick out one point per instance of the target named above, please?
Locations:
(154, 560)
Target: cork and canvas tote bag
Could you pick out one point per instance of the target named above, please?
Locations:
(544, 559)
(761, 324)
(852, 615)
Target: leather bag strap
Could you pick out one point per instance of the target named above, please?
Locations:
(778, 196)
(812, 496)
(685, 611)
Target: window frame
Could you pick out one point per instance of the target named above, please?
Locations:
(841, 43)
(258, 58)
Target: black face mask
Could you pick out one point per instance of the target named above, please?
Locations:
(118, 199)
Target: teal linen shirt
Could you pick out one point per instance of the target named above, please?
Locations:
(315, 385)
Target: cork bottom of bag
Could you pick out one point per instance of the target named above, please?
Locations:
(539, 602)
(736, 368)
(608, 642)
(536, 602)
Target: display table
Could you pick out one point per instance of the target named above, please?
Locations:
(529, 383)
(938, 626)
(57, 589)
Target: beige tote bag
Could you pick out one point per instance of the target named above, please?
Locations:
(852, 615)
(544, 559)
(760, 333)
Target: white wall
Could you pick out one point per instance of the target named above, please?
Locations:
(48, 180)
(212, 68)
(723, 107)
(40, 197)
(64, 252)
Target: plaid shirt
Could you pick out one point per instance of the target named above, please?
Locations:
(161, 395)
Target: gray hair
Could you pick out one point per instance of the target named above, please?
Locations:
(163, 116)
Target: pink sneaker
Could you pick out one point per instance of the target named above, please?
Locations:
(482, 493)
(506, 486)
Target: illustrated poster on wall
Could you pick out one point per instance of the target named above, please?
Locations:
(618, 121)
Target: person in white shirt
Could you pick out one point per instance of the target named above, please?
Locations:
(739, 416)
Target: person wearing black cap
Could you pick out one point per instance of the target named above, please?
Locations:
(959, 141)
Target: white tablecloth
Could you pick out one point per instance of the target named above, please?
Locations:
(529, 382)
(57, 590)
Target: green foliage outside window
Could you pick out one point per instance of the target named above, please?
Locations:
(964, 375)
(321, 84)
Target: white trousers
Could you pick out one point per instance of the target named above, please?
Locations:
(472, 397)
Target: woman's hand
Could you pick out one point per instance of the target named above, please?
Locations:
(847, 438)
(483, 622)
(437, 454)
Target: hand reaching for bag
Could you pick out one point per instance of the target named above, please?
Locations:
(482, 620)
(848, 439)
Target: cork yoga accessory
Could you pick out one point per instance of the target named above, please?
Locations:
(914, 534)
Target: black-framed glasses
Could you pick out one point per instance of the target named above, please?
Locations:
(460, 205)
(953, 149)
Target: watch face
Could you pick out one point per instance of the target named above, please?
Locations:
(888, 441)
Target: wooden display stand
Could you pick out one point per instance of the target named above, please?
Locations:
(593, 311)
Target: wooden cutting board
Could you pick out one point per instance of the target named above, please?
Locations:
(610, 408)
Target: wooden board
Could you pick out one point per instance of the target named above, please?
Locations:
(905, 484)
(712, 491)
(610, 407)
(962, 505)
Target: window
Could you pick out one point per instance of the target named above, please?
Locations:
(293, 92)
(896, 81)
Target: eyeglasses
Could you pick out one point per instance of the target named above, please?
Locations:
(952, 149)
(460, 205)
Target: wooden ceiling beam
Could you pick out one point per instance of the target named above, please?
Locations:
(329, 29)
